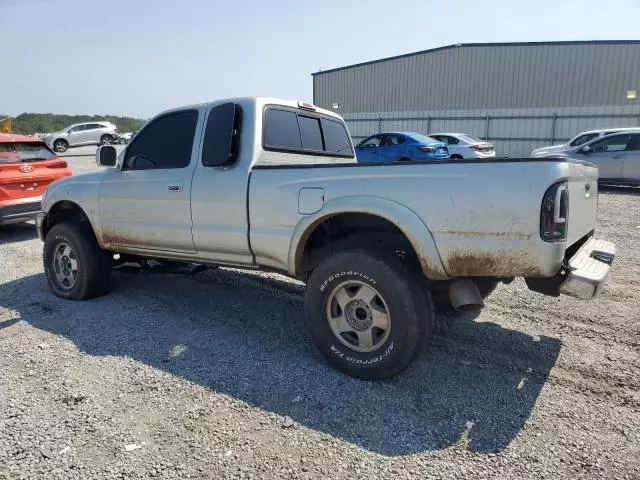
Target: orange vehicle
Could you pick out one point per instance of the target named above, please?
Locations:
(27, 168)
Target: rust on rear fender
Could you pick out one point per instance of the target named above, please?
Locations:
(491, 264)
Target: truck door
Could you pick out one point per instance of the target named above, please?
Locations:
(219, 193)
(146, 203)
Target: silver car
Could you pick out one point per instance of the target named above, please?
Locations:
(580, 139)
(80, 134)
(617, 157)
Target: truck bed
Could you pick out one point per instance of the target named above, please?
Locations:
(483, 215)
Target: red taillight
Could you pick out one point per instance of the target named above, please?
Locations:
(59, 164)
(427, 149)
(553, 215)
(475, 147)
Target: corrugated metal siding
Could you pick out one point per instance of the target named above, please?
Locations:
(487, 77)
(515, 136)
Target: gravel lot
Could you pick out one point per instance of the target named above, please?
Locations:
(211, 375)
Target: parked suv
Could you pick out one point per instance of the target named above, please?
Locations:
(617, 157)
(80, 134)
(580, 139)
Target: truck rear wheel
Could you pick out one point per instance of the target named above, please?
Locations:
(366, 314)
(74, 264)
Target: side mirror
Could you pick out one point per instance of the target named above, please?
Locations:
(106, 156)
(222, 135)
(586, 150)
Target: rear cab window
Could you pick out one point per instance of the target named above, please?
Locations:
(290, 130)
(24, 152)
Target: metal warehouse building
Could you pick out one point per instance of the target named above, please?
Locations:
(519, 96)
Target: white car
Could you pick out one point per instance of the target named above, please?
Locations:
(463, 145)
(580, 139)
(80, 134)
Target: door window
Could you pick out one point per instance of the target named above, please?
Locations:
(614, 143)
(396, 140)
(634, 143)
(164, 143)
(582, 139)
(372, 141)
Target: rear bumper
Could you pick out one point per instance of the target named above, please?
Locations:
(588, 269)
(583, 276)
(19, 211)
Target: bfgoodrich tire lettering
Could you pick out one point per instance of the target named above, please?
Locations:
(91, 264)
(401, 320)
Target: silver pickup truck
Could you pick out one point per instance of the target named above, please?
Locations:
(274, 185)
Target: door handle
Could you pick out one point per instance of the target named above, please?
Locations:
(174, 187)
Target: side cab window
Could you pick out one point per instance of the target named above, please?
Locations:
(165, 142)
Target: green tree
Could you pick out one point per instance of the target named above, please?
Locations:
(30, 123)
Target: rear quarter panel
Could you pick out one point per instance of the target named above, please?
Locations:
(484, 217)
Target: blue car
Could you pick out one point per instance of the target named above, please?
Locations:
(400, 146)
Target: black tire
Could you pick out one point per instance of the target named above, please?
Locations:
(455, 156)
(93, 264)
(410, 313)
(106, 140)
(60, 145)
(441, 301)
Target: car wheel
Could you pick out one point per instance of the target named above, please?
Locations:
(366, 314)
(456, 157)
(60, 145)
(106, 140)
(75, 266)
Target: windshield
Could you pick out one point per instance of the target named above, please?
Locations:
(24, 152)
(470, 138)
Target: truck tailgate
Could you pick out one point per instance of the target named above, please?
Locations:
(583, 200)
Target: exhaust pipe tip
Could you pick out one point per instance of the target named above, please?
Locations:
(465, 296)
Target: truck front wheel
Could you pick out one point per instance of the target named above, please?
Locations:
(74, 264)
(367, 314)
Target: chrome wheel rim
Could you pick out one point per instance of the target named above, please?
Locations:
(358, 316)
(106, 141)
(60, 146)
(65, 266)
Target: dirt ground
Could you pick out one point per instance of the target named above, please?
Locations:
(211, 376)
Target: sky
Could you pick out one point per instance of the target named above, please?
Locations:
(139, 57)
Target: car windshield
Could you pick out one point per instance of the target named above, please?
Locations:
(422, 138)
(24, 152)
(470, 138)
